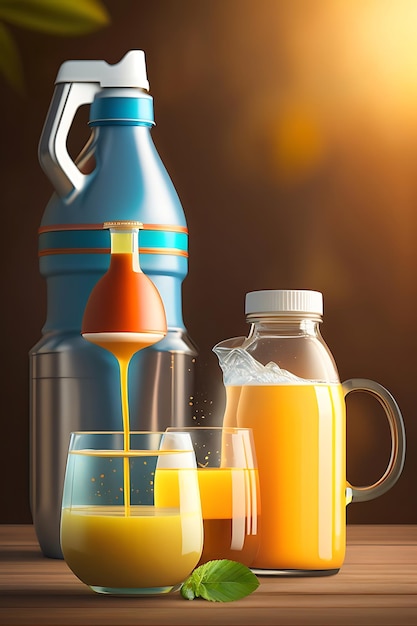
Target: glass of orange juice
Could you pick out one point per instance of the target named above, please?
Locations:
(144, 544)
(229, 491)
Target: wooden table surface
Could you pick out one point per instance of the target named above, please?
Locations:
(377, 585)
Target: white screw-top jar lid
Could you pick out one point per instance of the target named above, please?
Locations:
(281, 301)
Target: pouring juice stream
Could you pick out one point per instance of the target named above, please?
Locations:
(124, 314)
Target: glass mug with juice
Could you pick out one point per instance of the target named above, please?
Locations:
(282, 382)
(229, 491)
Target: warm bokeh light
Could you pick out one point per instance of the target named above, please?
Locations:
(352, 85)
(385, 32)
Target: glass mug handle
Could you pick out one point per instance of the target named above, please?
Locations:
(396, 424)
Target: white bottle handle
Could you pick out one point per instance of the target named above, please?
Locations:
(53, 154)
(76, 84)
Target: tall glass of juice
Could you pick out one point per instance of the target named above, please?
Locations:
(229, 491)
(144, 544)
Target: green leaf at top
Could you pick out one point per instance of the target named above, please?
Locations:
(60, 17)
(220, 581)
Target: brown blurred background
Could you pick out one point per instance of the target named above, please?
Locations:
(289, 128)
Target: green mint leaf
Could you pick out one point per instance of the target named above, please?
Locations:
(220, 581)
(187, 591)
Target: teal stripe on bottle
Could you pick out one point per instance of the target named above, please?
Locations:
(74, 239)
(163, 239)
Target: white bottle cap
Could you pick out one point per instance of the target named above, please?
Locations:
(284, 301)
(129, 72)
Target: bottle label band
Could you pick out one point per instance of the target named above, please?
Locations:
(92, 239)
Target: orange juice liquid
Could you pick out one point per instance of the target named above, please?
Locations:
(124, 346)
(230, 513)
(299, 434)
(149, 548)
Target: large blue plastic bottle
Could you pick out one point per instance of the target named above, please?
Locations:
(118, 176)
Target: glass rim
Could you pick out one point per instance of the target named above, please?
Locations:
(185, 429)
(118, 432)
(102, 445)
(120, 453)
